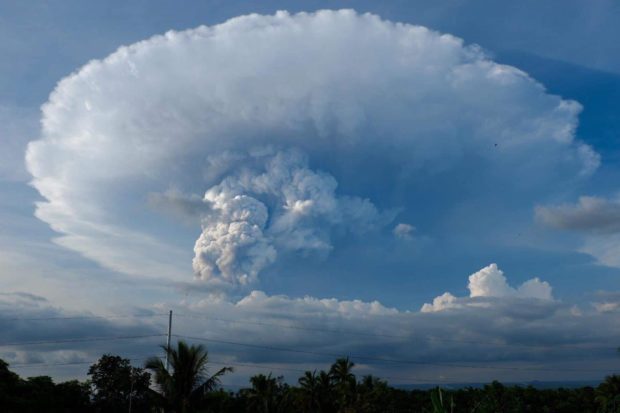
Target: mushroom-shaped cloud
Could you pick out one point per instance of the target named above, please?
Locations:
(282, 134)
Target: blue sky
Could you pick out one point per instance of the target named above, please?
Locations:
(329, 170)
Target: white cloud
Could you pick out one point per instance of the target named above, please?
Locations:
(357, 97)
(403, 231)
(258, 300)
(535, 288)
(444, 301)
(490, 282)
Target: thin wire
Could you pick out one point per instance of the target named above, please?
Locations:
(313, 329)
(391, 360)
(78, 340)
(69, 363)
(401, 336)
(79, 317)
(325, 330)
(388, 360)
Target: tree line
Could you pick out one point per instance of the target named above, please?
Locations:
(114, 385)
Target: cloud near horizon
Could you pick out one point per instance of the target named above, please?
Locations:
(490, 282)
(287, 135)
(57, 333)
(496, 326)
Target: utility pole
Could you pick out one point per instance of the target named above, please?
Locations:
(168, 341)
(131, 388)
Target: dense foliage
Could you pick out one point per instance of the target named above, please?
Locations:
(41, 394)
(114, 383)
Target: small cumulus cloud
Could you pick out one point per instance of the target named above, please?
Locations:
(444, 301)
(403, 231)
(490, 282)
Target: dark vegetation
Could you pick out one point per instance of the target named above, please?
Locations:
(116, 386)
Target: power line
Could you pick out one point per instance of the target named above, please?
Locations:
(313, 329)
(283, 349)
(399, 336)
(72, 363)
(385, 360)
(69, 363)
(79, 317)
(78, 340)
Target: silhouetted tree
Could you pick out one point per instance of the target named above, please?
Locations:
(73, 396)
(185, 391)
(326, 392)
(268, 394)
(309, 392)
(41, 394)
(114, 382)
(608, 395)
(188, 385)
(8, 386)
(341, 373)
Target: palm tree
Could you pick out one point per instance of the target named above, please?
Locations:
(264, 393)
(325, 389)
(309, 388)
(188, 383)
(341, 373)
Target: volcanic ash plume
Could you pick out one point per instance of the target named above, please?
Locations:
(282, 205)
